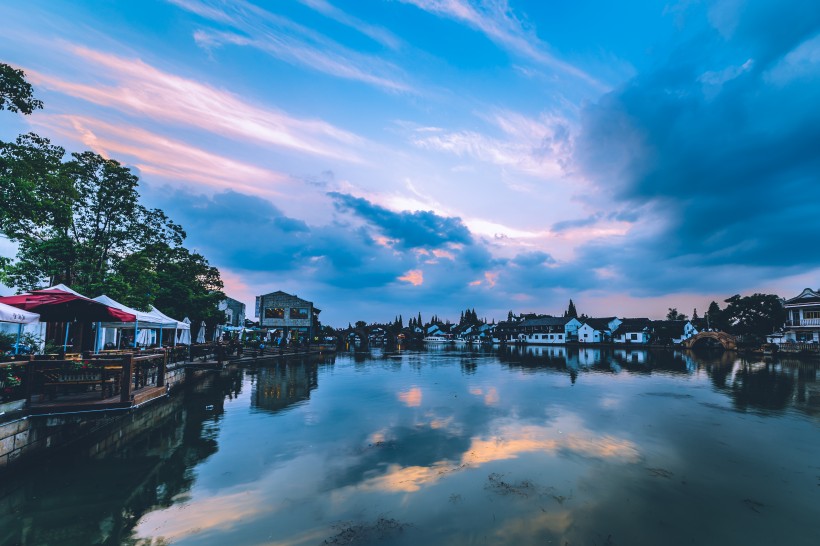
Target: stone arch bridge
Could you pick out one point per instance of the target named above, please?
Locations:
(728, 341)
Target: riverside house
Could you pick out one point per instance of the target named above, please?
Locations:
(548, 330)
(598, 330)
(803, 319)
(291, 316)
(634, 331)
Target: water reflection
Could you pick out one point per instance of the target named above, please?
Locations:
(466, 446)
(283, 384)
(96, 493)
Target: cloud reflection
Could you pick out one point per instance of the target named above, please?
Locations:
(411, 398)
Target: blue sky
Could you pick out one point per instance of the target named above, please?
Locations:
(396, 156)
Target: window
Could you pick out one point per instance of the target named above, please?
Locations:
(299, 313)
(811, 314)
(633, 337)
(274, 313)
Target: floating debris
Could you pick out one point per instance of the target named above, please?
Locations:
(752, 504)
(523, 488)
(356, 533)
(660, 472)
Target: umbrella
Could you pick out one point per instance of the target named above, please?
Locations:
(200, 337)
(185, 333)
(19, 317)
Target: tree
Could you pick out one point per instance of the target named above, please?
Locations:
(74, 221)
(695, 314)
(674, 315)
(757, 315)
(714, 317)
(187, 285)
(16, 94)
(571, 312)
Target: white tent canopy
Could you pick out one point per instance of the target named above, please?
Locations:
(9, 313)
(144, 320)
(168, 322)
(64, 288)
(200, 337)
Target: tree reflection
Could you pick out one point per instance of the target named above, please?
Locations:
(97, 492)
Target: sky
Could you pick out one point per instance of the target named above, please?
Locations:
(385, 157)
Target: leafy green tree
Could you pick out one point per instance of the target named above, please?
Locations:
(756, 315)
(79, 221)
(674, 315)
(187, 285)
(76, 220)
(16, 94)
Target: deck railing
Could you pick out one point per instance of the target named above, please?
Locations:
(104, 375)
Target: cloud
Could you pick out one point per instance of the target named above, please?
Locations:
(166, 158)
(379, 34)
(418, 229)
(536, 146)
(414, 277)
(140, 89)
(726, 176)
(286, 40)
(495, 19)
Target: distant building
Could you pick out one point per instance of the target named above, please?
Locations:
(633, 331)
(234, 312)
(292, 316)
(598, 330)
(803, 320)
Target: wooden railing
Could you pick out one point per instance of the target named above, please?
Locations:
(47, 377)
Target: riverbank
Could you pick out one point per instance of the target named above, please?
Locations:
(29, 430)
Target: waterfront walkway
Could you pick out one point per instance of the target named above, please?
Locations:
(114, 381)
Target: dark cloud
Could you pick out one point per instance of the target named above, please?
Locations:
(558, 227)
(719, 145)
(533, 259)
(419, 229)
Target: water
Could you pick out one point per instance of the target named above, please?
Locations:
(539, 446)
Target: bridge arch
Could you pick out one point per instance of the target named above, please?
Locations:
(728, 341)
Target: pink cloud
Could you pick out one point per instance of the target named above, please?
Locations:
(170, 159)
(414, 277)
(139, 88)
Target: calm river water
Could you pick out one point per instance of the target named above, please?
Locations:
(539, 446)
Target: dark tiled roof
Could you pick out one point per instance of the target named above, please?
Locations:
(675, 327)
(633, 325)
(545, 321)
(599, 324)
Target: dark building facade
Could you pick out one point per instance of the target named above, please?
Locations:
(291, 315)
(234, 312)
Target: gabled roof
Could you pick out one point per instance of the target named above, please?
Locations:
(545, 321)
(806, 296)
(675, 327)
(599, 324)
(632, 325)
(285, 294)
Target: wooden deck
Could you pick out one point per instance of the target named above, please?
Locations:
(91, 396)
(90, 401)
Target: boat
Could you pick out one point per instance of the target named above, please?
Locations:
(438, 339)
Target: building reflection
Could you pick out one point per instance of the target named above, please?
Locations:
(109, 481)
(284, 384)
